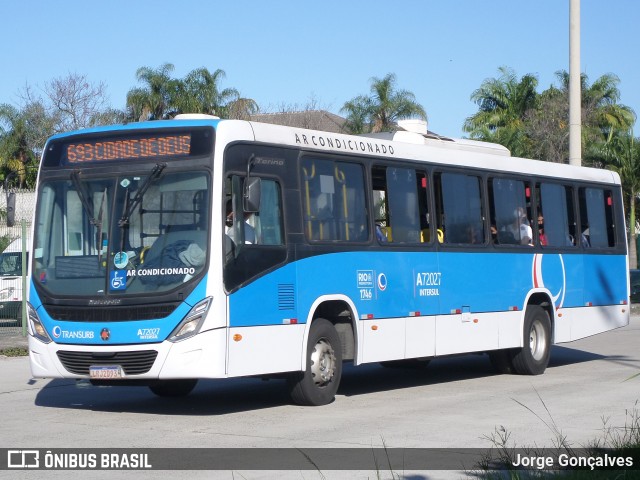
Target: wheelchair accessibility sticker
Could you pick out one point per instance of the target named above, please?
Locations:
(118, 279)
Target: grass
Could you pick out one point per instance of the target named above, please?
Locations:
(620, 442)
(14, 352)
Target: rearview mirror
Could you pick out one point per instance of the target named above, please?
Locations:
(251, 195)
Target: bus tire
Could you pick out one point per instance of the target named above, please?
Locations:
(319, 382)
(533, 357)
(174, 388)
(501, 361)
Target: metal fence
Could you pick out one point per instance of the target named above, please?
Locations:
(15, 239)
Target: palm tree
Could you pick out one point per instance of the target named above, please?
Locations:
(154, 100)
(379, 111)
(241, 108)
(621, 153)
(601, 113)
(503, 105)
(357, 110)
(199, 92)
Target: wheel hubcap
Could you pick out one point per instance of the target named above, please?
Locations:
(537, 341)
(323, 362)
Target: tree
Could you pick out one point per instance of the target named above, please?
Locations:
(15, 154)
(621, 153)
(504, 103)
(241, 108)
(200, 92)
(155, 100)
(385, 105)
(601, 115)
(70, 103)
(357, 110)
(75, 102)
(40, 124)
(547, 127)
(513, 114)
(108, 117)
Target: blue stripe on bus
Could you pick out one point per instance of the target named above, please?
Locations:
(152, 125)
(399, 284)
(126, 332)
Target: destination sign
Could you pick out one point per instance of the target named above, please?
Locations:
(141, 148)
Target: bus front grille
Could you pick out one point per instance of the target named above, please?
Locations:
(133, 363)
(110, 314)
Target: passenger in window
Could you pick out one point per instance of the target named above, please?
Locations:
(520, 227)
(541, 234)
(494, 234)
(249, 231)
(380, 235)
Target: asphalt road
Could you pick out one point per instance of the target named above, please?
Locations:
(456, 402)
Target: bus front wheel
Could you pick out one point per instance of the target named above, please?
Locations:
(318, 383)
(533, 357)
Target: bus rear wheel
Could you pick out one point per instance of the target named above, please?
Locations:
(319, 382)
(501, 361)
(533, 357)
(174, 388)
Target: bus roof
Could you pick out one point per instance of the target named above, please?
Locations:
(399, 145)
(460, 152)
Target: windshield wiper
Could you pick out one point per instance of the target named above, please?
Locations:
(130, 207)
(84, 196)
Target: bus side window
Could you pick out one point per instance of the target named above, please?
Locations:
(260, 228)
(510, 212)
(557, 214)
(459, 208)
(380, 205)
(596, 218)
(427, 231)
(334, 205)
(398, 206)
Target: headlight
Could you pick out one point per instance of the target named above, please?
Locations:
(36, 329)
(6, 293)
(192, 322)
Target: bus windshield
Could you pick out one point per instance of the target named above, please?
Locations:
(124, 235)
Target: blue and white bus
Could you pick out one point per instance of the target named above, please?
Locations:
(171, 251)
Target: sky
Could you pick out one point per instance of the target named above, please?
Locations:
(296, 52)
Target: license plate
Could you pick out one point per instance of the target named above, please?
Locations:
(105, 372)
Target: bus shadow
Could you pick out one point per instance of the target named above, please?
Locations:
(210, 397)
(220, 397)
(374, 378)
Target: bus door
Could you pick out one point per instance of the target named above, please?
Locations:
(261, 287)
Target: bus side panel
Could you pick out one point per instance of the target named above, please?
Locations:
(266, 330)
(384, 339)
(265, 349)
(414, 304)
(605, 279)
(420, 337)
(598, 319)
(478, 282)
(603, 306)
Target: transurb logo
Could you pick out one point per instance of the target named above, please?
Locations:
(548, 272)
